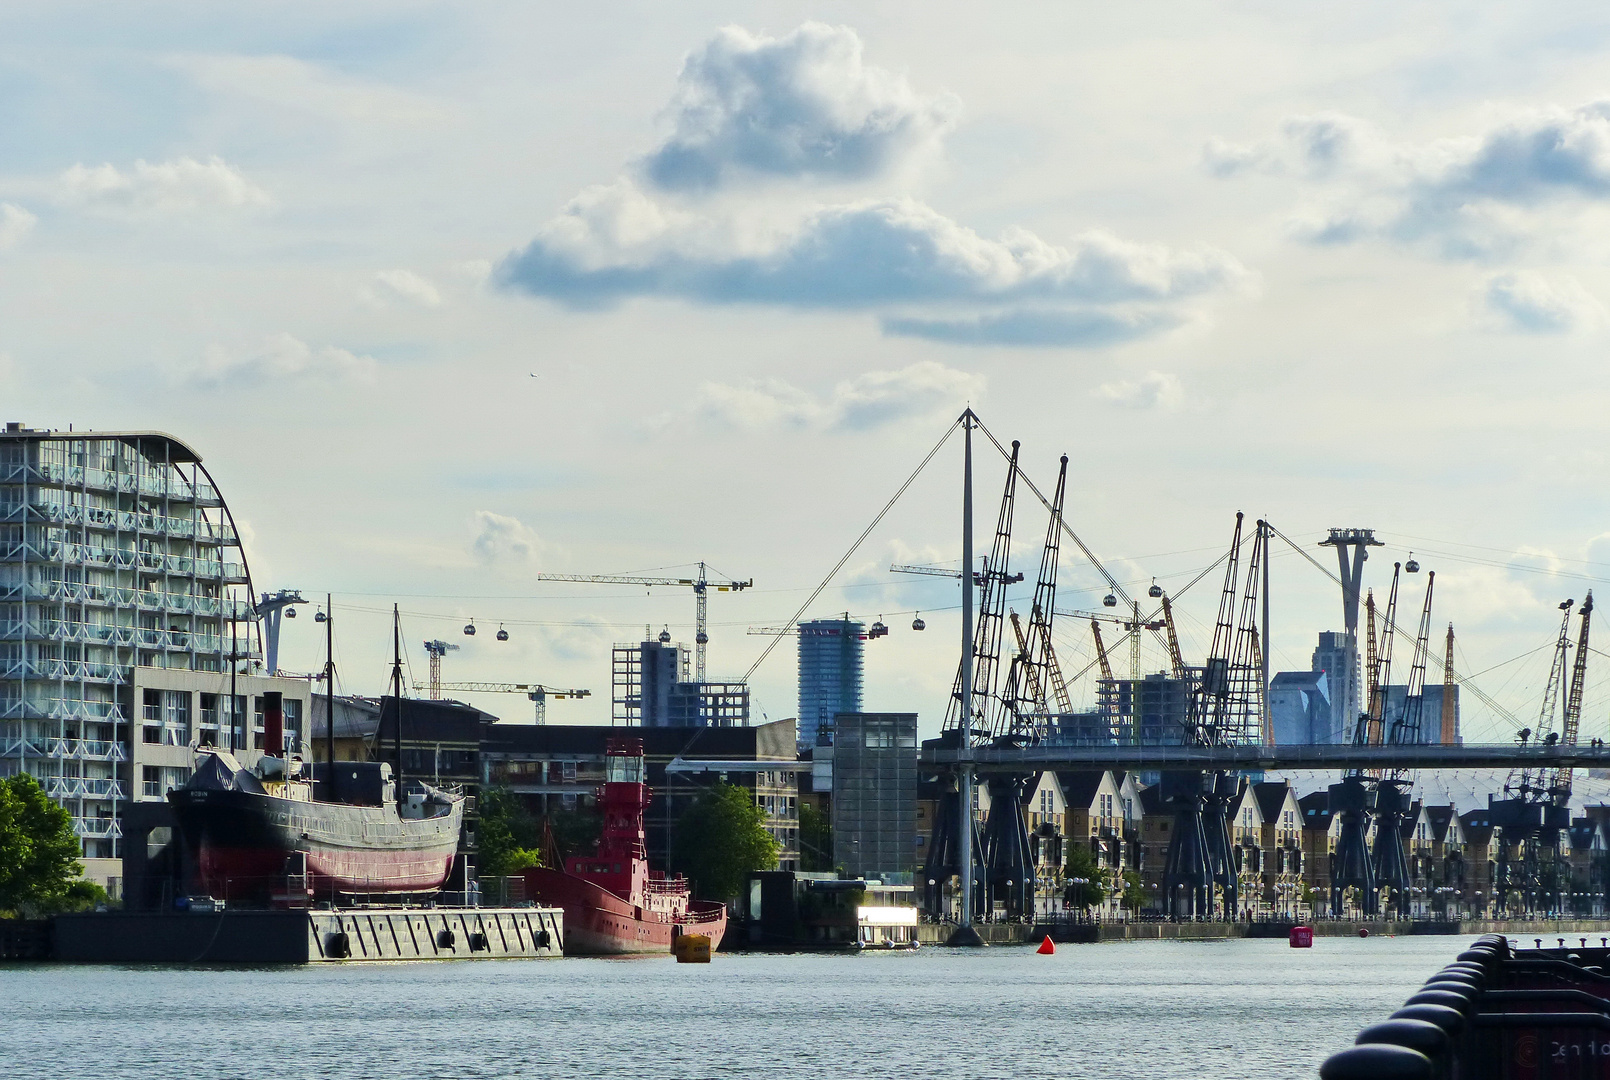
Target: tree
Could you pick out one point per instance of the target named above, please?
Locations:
(720, 839)
(815, 839)
(1134, 897)
(507, 837)
(39, 867)
(1086, 882)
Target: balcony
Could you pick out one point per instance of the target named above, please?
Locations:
(81, 787)
(84, 750)
(97, 828)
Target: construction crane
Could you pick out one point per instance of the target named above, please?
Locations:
(940, 571)
(700, 585)
(437, 650)
(1025, 665)
(1560, 785)
(536, 692)
(1175, 657)
(1450, 718)
(1101, 651)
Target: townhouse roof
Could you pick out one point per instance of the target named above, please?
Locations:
(1316, 812)
(1441, 817)
(1271, 795)
(1079, 788)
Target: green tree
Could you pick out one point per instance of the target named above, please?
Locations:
(39, 867)
(1086, 882)
(720, 839)
(1134, 897)
(815, 839)
(507, 837)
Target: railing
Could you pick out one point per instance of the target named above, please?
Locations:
(85, 750)
(97, 828)
(152, 789)
(83, 787)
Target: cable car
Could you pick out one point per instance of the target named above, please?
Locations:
(917, 623)
(878, 629)
(702, 638)
(665, 636)
(321, 617)
(1109, 600)
(1411, 566)
(469, 629)
(290, 613)
(1155, 591)
(503, 635)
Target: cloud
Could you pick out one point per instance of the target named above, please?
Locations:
(289, 83)
(282, 358)
(611, 244)
(501, 540)
(803, 105)
(1528, 302)
(407, 286)
(1474, 196)
(183, 184)
(868, 401)
(1156, 390)
(683, 223)
(15, 224)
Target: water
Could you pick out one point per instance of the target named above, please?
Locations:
(1158, 1010)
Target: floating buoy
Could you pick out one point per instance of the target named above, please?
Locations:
(1302, 937)
(1046, 947)
(691, 948)
(1363, 931)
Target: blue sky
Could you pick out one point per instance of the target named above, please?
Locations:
(1338, 267)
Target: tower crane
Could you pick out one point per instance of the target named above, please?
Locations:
(437, 650)
(1175, 657)
(1101, 651)
(700, 585)
(536, 692)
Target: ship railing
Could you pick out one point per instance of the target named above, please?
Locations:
(704, 916)
(662, 886)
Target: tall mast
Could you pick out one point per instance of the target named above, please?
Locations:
(329, 695)
(964, 845)
(396, 697)
(234, 667)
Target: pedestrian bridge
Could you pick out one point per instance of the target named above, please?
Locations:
(1050, 757)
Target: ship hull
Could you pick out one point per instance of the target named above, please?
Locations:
(599, 923)
(243, 844)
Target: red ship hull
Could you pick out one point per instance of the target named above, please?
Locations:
(599, 923)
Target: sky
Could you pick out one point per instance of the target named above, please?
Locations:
(448, 296)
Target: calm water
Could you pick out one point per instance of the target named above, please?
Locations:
(1159, 1010)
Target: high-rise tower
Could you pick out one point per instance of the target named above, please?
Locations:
(830, 653)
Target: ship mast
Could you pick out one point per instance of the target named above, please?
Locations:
(329, 696)
(396, 697)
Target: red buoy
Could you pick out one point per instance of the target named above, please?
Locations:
(1363, 931)
(1046, 948)
(1302, 937)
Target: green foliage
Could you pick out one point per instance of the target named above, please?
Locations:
(508, 836)
(1081, 864)
(39, 867)
(815, 839)
(720, 839)
(1134, 897)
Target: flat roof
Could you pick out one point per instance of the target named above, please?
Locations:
(177, 449)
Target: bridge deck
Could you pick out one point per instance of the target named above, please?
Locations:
(1268, 758)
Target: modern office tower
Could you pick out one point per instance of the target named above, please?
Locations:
(1337, 657)
(1300, 709)
(650, 688)
(124, 601)
(830, 654)
(875, 795)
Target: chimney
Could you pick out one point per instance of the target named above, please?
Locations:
(274, 723)
(13, 426)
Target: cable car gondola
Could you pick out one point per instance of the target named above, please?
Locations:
(469, 628)
(1109, 600)
(503, 635)
(1155, 591)
(1412, 566)
(290, 613)
(878, 629)
(321, 617)
(917, 623)
(665, 636)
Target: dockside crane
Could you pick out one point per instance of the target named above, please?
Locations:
(1101, 651)
(1392, 798)
(1175, 658)
(700, 585)
(436, 650)
(536, 692)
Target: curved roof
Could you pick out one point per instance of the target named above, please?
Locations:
(173, 449)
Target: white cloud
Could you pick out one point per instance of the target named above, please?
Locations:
(409, 287)
(282, 358)
(15, 224)
(1530, 303)
(288, 83)
(176, 186)
(864, 402)
(1472, 196)
(504, 540)
(1156, 390)
(803, 105)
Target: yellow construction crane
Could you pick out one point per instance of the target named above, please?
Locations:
(536, 692)
(700, 585)
(1174, 655)
(1036, 691)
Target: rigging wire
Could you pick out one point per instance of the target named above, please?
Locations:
(943, 439)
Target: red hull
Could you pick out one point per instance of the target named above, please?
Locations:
(599, 923)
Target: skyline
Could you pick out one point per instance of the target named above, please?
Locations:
(759, 258)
